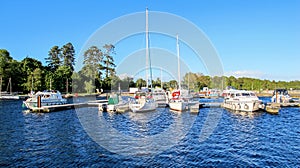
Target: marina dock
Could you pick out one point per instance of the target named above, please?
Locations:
(98, 103)
(52, 108)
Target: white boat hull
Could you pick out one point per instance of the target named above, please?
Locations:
(33, 104)
(143, 106)
(9, 97)
(117, 107)
(248, 106)
(178, 106)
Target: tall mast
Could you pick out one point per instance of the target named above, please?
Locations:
(161, 82)
(147, 45)
(178, 63)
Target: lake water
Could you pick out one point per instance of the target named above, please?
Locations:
(88, 138)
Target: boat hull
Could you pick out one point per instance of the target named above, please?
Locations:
(143, 106)
(118, 107)
(249, 106)
(178, 106)
(33, 104)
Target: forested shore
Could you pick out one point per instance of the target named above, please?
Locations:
(98, 73)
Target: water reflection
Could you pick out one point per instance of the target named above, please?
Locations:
(245, 115)
(102, 131)
(144, 117)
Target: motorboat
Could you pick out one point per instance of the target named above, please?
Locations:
(241, 100)
(143, 102)
(160, 97)
(281, 96)
(227, 91)
(47, 98)
(116, 103)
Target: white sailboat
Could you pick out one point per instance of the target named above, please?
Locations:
(177, 102)
(6, 95)
(144, 103)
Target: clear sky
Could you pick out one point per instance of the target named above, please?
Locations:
(255, 38)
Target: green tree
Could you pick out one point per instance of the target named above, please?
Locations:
(5, 58)
(92, 67)
(61, 78)
(68, 55)
(77, 83)
(108, 60)
(53, 58)
(27, 66)
(9, 70)
(140, 82)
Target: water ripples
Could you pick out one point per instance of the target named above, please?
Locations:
(58, 139)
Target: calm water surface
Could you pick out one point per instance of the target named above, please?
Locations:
(58, 139)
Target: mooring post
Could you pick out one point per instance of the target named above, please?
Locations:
(39, 102)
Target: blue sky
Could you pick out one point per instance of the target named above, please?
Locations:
(253, 38)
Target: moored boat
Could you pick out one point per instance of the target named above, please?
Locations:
(160, 97)
(241, 100)
(116, 103)
(177, 103)
(281, 96)
(142, 103)
(47, 98)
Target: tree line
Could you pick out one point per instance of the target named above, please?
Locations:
(98, 72)
(197, 81)
(30, 74)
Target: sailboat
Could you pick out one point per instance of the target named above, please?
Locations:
(177, 102)
(6, 95)
(144, 102)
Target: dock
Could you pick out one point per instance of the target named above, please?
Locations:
(47, 109)
(210, 105)
(269, 107)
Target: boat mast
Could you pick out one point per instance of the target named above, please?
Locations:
(147, 45)
(161, 82)
(179, 84)
(189, 83)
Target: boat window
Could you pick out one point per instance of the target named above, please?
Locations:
(238, 94)
(245, 94)
(252, 94)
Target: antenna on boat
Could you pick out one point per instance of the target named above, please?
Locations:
(178, 62)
